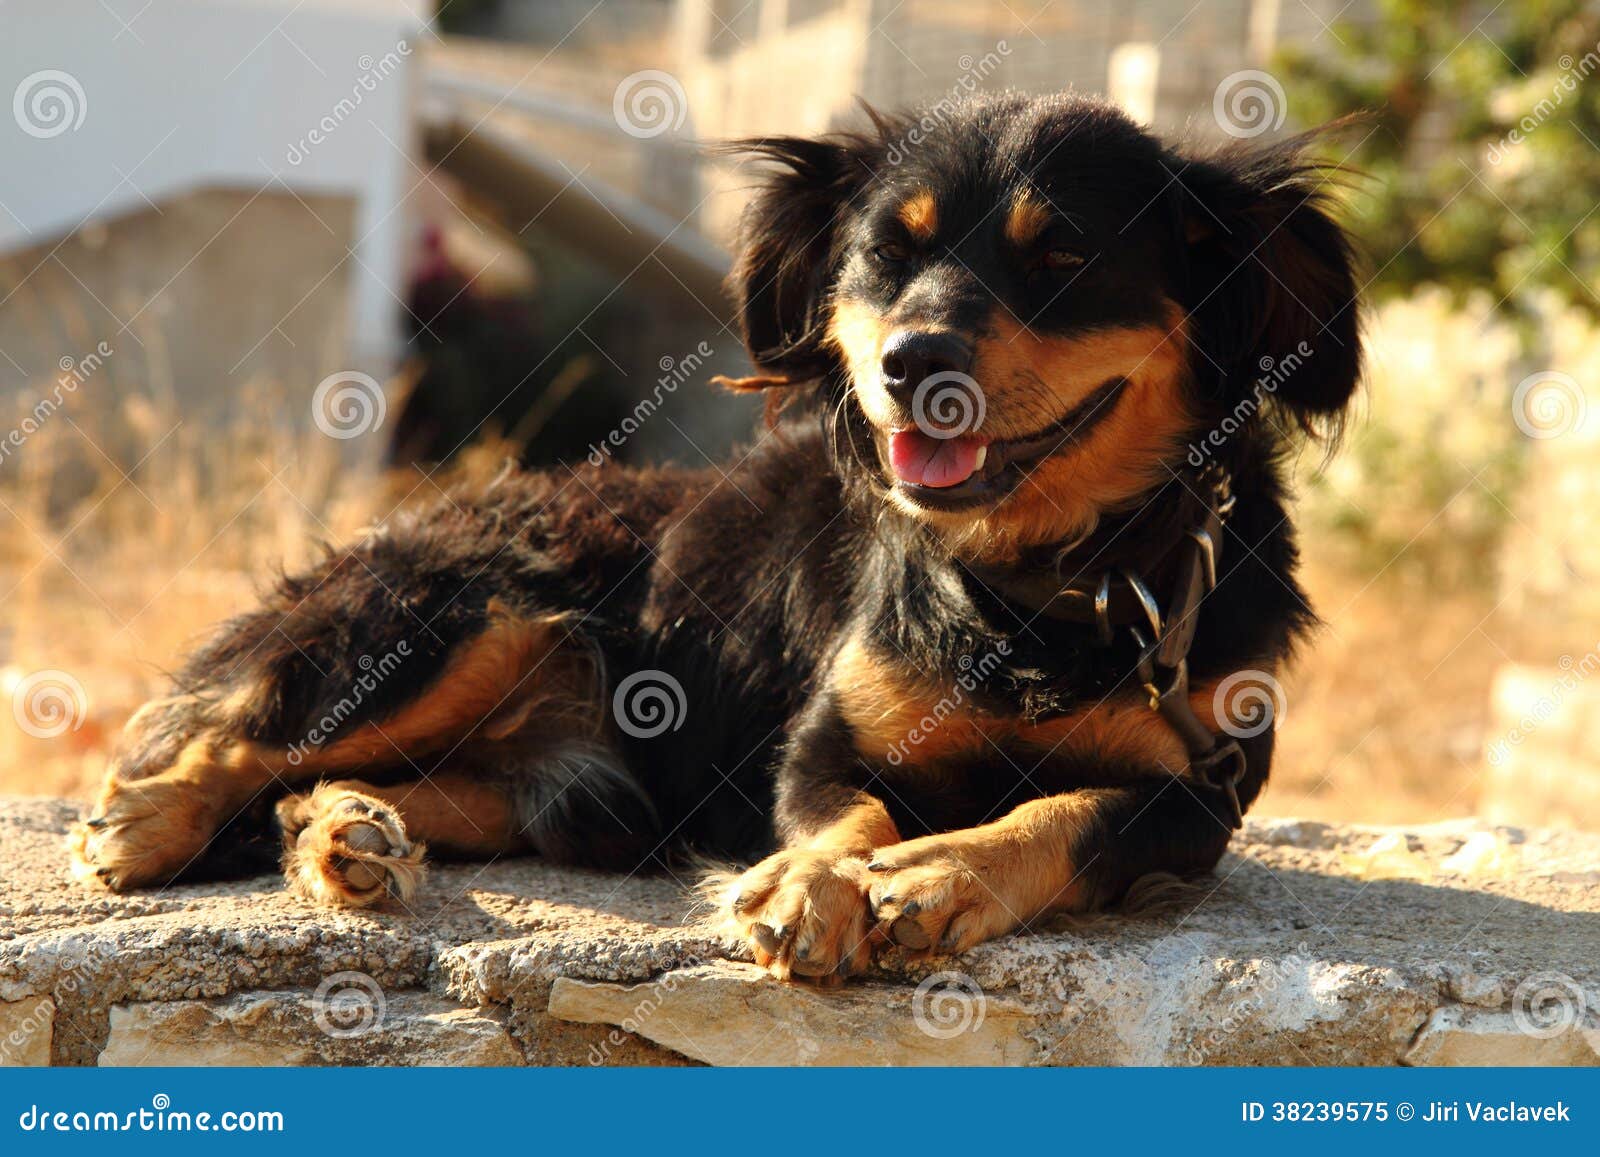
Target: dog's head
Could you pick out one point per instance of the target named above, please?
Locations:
(1025, 312)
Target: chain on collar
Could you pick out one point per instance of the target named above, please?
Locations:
(1121, 598)
(1164, 641)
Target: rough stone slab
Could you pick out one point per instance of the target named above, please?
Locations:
(292, 1028)
(1312, 944)
(26, 1029)
(1475, 1036)
(735, 1014)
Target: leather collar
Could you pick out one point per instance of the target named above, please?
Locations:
(1127, 593)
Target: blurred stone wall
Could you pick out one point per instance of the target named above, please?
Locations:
(194, 298)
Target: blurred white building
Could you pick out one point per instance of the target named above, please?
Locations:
(244, 162)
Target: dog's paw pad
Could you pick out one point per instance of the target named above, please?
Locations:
(353, 852)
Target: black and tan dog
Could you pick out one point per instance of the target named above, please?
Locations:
(944, 646)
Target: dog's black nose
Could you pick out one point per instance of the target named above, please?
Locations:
(911, 357)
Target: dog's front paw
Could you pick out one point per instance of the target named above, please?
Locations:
(143, 831)
(946, 893)
(804, 913)
(346, 848)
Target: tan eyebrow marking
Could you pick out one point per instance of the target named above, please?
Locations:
(1027, 220)
(920, 215)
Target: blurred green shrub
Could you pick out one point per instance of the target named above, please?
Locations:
(1484, 149)
(1426, 480)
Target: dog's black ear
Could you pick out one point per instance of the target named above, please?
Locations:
(787, 254)
(1272, 278)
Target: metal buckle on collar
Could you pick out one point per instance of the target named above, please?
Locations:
(1221, 769)
(1105, 631)
(1217, 762)
(1147, 600)
(1208, 554)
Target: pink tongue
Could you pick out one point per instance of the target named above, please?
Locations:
(925, 461)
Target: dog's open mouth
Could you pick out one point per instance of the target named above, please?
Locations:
(969, 470)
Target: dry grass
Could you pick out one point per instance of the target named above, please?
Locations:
(108, 577)
(1387, 709)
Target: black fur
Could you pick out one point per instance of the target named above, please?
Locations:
(743, 584)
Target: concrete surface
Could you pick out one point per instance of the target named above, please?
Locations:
(1312, 944)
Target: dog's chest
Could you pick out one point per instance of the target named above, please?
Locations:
(946, 727)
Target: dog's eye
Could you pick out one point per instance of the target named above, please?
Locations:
(892, 253)
(1062, 259)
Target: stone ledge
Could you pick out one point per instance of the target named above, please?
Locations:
(1313, 944)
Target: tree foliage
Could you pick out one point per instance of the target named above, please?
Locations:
(1483, 147)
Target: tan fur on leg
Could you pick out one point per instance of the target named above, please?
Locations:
(948, 892)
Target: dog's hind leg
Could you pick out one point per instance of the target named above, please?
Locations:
(376, 665)
(352, 843)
